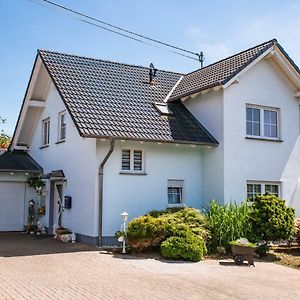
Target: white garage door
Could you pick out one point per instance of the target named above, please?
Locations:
(12, 206)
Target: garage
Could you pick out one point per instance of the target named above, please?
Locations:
(12, 206)
(15, 168)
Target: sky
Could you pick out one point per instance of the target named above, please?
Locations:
(219, 28)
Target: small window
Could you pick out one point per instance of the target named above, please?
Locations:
(62, 126)
(46, 132)
(262, 122)
(253, 121)
(260, 188)
(132, 160)
(137, 160)
(253, 190)
(175, 192)
(270, 123)
(126, 160)
(272, 189)
(163, 108)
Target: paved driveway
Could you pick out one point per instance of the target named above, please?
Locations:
(47, 269)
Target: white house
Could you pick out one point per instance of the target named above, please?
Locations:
(114, 137)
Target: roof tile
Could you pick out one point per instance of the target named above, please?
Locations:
(219, 72)
(108, 99)
(18, 161)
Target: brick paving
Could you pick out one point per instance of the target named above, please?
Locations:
(47, 269)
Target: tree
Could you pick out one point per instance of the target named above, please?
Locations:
(271, 218)
(4, 138)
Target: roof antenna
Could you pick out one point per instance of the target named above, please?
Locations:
(201, 59)
(152, 73)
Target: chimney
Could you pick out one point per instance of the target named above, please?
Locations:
(152, 74)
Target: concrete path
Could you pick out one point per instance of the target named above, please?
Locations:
(48, 269)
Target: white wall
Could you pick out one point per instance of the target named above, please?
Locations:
(76, 157)
(137, 194)
(245, 159)
(227, 168)
(208, 109)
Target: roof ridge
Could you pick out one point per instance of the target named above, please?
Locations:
(273, 41)
(105, 60)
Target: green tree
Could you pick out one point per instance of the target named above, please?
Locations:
(4, 138)
(271, 218)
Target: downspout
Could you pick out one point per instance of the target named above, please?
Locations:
(101, 173)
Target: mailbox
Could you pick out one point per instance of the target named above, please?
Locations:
(68, 202)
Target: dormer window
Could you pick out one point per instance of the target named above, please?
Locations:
(62, 126)
(163, 108)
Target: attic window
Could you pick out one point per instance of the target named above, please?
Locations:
(163, 108)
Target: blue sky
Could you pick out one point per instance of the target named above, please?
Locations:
(219, 28)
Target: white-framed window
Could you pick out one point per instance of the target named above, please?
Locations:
(262, 122)
(132, 160)
(62, 126)
(260, 188)
(175, 192)
(45, 132)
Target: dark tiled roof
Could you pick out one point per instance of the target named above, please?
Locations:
(18, 161)
(219, 72)
(108, 99)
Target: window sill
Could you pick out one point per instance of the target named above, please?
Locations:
(132, 173)
(59, 142)
(263, 139)
(44, 146)
(176, 205)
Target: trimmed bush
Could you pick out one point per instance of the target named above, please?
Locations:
(190, 248)
(271, 219)
(145, 232)
(189, 220)
(149, 231)
(228, 223)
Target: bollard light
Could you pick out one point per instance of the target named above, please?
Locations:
(124, 217)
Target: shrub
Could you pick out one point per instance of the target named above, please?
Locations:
(190, 248)
(145, 232)
(149, 231)
(271, 219)
(297, 231)
(228, 223)
(262, 250)
(189, 220)
(169, 210)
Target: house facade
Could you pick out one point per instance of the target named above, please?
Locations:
(111, 139)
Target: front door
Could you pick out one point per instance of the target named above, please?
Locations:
(57, 205)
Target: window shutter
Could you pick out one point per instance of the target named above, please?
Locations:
(137, 160)
(126, 159)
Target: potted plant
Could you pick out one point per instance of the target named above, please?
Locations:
(36, 183)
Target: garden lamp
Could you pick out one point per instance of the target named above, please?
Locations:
(124, 217)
